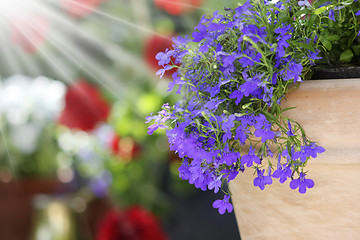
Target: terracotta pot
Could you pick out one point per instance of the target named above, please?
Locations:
(16, 205)
(330, 114)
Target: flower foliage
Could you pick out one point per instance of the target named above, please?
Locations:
(235, 70)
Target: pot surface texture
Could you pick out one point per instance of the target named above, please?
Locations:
(329, 111)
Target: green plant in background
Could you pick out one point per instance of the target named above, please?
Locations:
(337, 32)
(139, 179)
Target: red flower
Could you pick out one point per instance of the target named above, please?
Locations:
(81, 8)
(153, 46)
(177, 7)
(126, 148)
(29, 31)
(84, 107)
(135, 223)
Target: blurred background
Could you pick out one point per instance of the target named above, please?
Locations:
(77, 79)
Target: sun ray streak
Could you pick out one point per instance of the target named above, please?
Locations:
(115, 52)
(87, 64)
(14, 56)
(56, 65)
(11, 52)
(9, 157)
(8, 56)
(25, 59)
(123, 21)
(66, 48)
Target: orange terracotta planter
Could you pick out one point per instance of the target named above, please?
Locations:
(16, 204)
(329, 111)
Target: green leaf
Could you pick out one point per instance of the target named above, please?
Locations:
(240, 114)
(320, 10)
(205, 116)
(327, 44)
(356, 49)
(288, 147)
(346, 56)
(287, 109)
(246, 105)
(305, 46)
(269, 116)
(301, 12)
(332, 37)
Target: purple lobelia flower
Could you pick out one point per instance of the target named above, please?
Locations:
(290, 131)
(261, 180)
(265, 133)
(302, 183)
(331, 15)
(215, 184)
(238, 95)
(230, 174)
(250, 158)
(223, 205)
(282, 173)
(314, 149)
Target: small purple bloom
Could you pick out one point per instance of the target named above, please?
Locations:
(176, 81)
(164, 57)
(230, 174)
(228, 60)
(229, 123)
(260, 121)
(154, 127)
(268, 94)
(302, 183)
(261, 180)
(314, 149)
(238, 95)
(227, 126)
(331, 15)
(200, 34)
(162, 71)
(230, 157)
(290, 132)
(240, 133)
(302, 154)
(223, 205)
(282, 173)
(181, 41)
(246, 61)
(248, 88)
(250, 158)
(265, 133)
(215, 184)
(313, 56)
(184, 170)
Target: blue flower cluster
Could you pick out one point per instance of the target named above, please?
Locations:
(234, 70)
